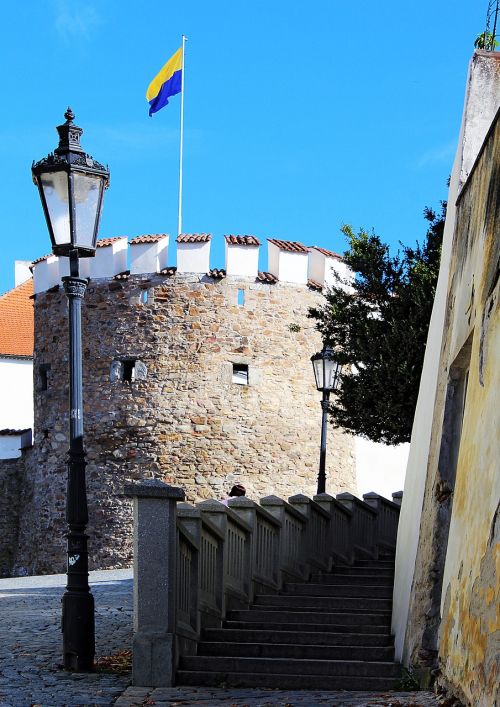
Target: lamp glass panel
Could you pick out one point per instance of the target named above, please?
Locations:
(86, 193)
(318, 372)
(332, 370)
(55, 191)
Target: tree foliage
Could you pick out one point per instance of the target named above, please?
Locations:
(379, 331)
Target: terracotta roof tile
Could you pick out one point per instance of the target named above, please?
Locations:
(14, 433)
(328, 253)
(16, 321)
(242, 240)
(40, 260)
(314, 285)
(171, 270)
(217, 273)
(103, 242)
(194, 237)
(149, 238)
(267, 277)
(290, 246)
(122, 275)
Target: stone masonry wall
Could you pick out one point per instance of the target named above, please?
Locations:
(187, 423)
(11, 476)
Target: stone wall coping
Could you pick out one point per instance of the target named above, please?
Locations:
(301, 499)
(154, 488)
(191, 539)
(350, 497)
(243, 502)
(372, 496)
(186, 510)
(275, 501)
(331, 499)
(218, 507)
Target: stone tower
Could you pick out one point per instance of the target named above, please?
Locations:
(198, 377)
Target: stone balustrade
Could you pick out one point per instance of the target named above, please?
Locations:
(194, 563)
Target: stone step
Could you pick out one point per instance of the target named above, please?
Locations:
(306, 637)
(286, 682)
(340, 590)
(361, 579)
(377, 564)
(381, 618)
(283, 625)
(367, 569)
(296, 650)
(303, 603)
(289, 666)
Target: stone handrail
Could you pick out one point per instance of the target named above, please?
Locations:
(194, 563)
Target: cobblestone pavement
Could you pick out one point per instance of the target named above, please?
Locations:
(218, 697)
(31, 641)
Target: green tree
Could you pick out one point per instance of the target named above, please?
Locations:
(379, 331)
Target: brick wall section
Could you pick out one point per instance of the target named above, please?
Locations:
(187, 423)
(11, 475)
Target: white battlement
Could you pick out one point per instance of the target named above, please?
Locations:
(289, 262)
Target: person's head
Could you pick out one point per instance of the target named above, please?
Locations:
(237, 490)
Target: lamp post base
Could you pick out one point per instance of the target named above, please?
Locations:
(78, 631)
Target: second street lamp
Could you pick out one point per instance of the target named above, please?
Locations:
(326, 373)
(71, 185)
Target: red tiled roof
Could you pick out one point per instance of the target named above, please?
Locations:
(314, 285)
(267, 277)
(16, 321)
(122, 275)
(194, 237)
(171, 270)
(290, 246)
(103, 242)
(242, 240)
(328, 253)
(150, 238)
(14, 433)
(40, 260)
(217, 273)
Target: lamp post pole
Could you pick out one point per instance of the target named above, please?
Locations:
(322, 453)
(327, 372)
(77, 602)
(71, 185)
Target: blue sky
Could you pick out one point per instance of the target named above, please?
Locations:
(298, 116)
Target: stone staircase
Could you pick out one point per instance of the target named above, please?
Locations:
(332, 632)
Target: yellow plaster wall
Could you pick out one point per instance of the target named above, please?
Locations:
(469, 637)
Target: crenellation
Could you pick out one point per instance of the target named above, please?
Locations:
(117, 258)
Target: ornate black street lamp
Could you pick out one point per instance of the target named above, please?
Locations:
(71, 186)
(326, 373)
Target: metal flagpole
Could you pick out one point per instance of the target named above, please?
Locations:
(179, 221)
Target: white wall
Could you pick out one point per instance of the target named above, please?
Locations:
(379, 467)
(481, 103)
(16, 393)
(10, 446)
(22, 271)
(193, 257)
(242, 260)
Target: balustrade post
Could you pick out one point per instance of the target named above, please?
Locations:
(216, 513)
(325, 501)
(155, 553)
(302, 504)
(190, 517)
(276, 507)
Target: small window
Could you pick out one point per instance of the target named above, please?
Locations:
(241, 298)
(144, 297)
(43, 376)
(240, 373)
(128, 370)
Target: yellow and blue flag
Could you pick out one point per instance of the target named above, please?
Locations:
(166, 83)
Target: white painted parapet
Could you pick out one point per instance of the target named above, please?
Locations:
(12, 442)
(193, 252)
(242, 256)
(45, 273)
(148, 254)
(22, 271)
(323, 264)
(288, 261)
(110, 258)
